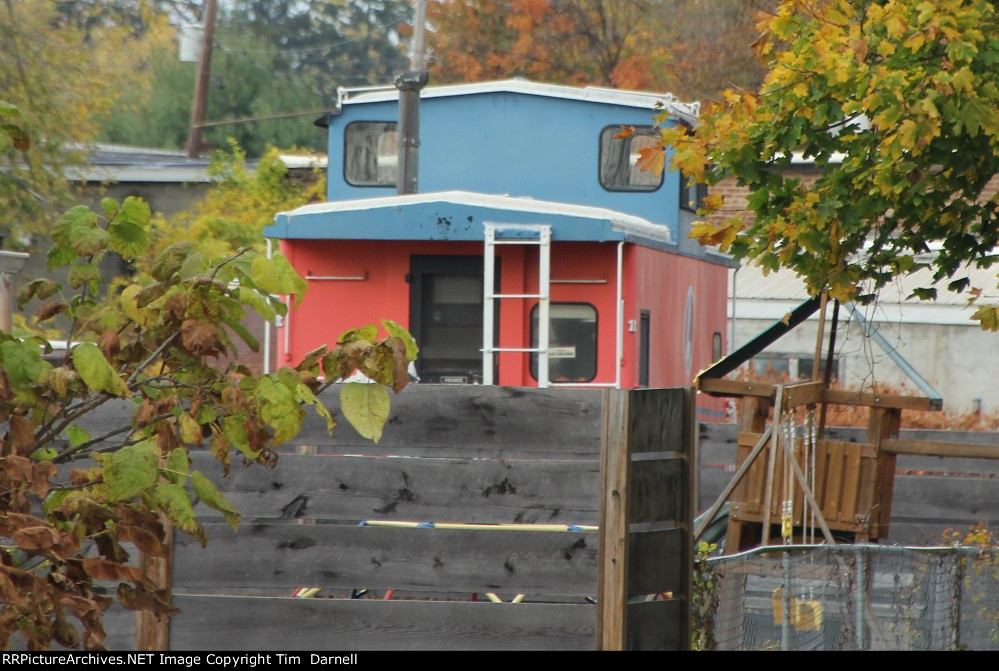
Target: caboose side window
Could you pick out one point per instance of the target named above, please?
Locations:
(619, 169)
(692, 195)
(572, 342)
(370, 153)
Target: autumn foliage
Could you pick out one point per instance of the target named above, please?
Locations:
(692, 48)
(71, 501)
(895, 102)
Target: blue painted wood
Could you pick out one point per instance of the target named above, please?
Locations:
(512, 143)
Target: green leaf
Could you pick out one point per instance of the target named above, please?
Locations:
(176, 465)
(235, 433)
(170, 260)
(312, 358)
(127, 238)
(259, 304)
(174, 500)
(95, 370)
(276, 276)
(110, 207)
(57, 257)
(243, 333)
(9, 110)
(44, 454)
(366, 407)
(366, 333)
(213, 498)
(131, 470)
(305, 395)
(81, 273)
(190, 430)
(23, 364)
(136, 210)
(76, 435)
(279, 409)
(394, 329)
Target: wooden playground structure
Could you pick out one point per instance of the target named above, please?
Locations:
(791, 484)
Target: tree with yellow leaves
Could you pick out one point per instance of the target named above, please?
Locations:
(896, 100)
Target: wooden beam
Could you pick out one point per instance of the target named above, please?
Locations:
(735, 388)
(805, 393)
(847, 397)
(933, 448)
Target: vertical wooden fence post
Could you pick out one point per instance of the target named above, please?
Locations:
(647, 464)
(151, 632)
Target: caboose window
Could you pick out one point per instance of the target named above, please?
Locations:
(619, 169)
(370, 153)
(572, 342)
(692, 195)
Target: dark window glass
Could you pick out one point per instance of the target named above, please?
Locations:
(572, 342)
(692, 195)
(370, 151)
(619, 157)
(643, 349)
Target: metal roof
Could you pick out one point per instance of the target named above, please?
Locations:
(458, 215)
(688, 112)
(125, 163)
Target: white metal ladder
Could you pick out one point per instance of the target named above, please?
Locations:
(516, 234)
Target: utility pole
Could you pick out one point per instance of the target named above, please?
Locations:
(201, 81)
(409, 84)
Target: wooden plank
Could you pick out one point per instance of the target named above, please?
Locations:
(222, 623)
(346, 557)
(851, 482)
(612, 574)
(455, 420)
(939, 449)
(803, 393)
(655, 489)
(847, 397)
(655, 625)
(426, 490)
(717, 387)
(832, 504)
(655, 562)
(656, 420)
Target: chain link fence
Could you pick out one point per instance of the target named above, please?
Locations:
(849, 597)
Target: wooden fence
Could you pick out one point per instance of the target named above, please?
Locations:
(525, 462)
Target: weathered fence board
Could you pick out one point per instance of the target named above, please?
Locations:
(261, 624)
(289, 556)
(645, 544)
(655, 625)
(414, 489)
(464, 421)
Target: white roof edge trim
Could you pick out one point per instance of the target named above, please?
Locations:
(643, 99)
(626, 223)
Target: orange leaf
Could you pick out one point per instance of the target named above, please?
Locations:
(36, 538)
(651, 159)
(102, 569)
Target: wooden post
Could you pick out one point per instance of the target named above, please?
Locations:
(151, 632)
(884, 423)
(646, 518)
